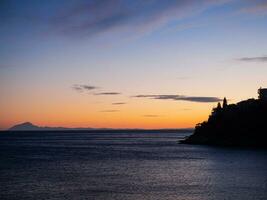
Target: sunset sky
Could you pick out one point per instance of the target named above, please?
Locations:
(128, 63)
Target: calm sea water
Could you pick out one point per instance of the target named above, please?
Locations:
(126, 166)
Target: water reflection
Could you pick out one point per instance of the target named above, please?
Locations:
(126, 166)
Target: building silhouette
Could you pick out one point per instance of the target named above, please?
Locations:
(262, 93)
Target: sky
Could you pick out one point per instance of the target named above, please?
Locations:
(128, 64)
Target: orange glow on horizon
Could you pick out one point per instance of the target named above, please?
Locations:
(128, 117)
(72, 109)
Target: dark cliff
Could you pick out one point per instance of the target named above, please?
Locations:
(241, 124)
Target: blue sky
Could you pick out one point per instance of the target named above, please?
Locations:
(186, 48)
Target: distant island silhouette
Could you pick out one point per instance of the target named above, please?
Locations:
(240, 124)
(28, 126)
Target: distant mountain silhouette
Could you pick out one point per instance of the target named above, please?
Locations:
(25, 126)
(28, 126)
(241, 124)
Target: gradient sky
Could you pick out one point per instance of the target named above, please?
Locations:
(128, 64)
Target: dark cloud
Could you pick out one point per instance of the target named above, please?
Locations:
(81, 87)
(254, 59)
(181, 98)
(107, 93)
(99, 16)
(109, 111)
(118, 103)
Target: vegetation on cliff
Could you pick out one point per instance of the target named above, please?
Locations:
(241, 124)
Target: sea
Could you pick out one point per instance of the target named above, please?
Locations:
(126, 166)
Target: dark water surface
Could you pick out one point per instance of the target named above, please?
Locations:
(126, 166)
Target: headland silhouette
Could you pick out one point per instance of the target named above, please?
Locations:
(240, 124)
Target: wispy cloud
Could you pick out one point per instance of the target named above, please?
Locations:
(89, 18)
(109, 111)
(255, 7)
(92, 17)
(6, 66)
(186, 109)
(151, 115)
(82, 87)
(254, 59)
(108, 93)
(118, 103)
(200, 99)
(183, 77)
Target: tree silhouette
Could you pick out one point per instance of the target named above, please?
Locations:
(224, 102)
(219, 107)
